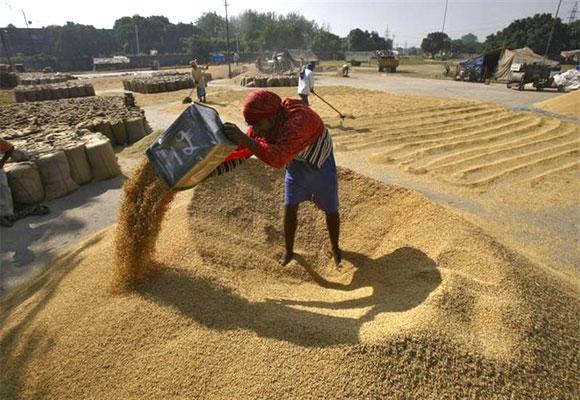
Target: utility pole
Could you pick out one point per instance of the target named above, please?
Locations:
(228, 40)
(552, 30)
(573, 12)
(444, 16)
(137, 38)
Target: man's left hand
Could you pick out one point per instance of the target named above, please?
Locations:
(234, 133)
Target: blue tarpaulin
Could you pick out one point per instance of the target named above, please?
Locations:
(218, 58)
(473, 68)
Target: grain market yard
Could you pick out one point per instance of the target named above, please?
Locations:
(460, 257)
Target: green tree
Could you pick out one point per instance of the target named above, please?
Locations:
(436, 42)
(532, 32)
(471, 44)
(359, 40)
(326, 42)
(573, 35)
(213, 25)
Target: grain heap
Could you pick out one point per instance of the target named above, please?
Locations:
(567, 104)
(53, 91)
(427, 306)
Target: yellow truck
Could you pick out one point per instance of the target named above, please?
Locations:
(387, 60)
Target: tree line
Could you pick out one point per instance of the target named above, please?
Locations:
(532, 32)
(252, 32)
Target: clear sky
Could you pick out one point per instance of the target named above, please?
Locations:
(408, 20)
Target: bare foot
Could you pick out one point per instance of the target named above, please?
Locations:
(288, 256)
(337, 257)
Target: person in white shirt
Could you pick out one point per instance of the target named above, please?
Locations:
(306, 82)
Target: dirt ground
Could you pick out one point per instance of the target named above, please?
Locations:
(550, 234)
(459, 278)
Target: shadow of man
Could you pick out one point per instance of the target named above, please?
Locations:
(400, 281)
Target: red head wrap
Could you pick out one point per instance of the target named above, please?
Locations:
(260, 105)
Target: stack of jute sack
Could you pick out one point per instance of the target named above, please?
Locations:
(53, 91)
(269, 80)
(161, 82)
(45, 171)
(8, 78)
(61, 148)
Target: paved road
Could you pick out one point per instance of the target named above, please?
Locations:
(495, 92)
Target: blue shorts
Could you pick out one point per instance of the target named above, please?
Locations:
(200, 91)
(304, 182)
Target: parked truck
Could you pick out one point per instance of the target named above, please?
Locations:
(387, 60)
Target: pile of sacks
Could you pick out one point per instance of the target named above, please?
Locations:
(53, 91)
(75, 158)
(70, 112)
(40, 78)
(569, 80)
(58, 149)
(269, 81)
(8, 79)
(161, 82)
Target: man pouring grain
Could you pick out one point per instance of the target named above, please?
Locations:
(287, 133)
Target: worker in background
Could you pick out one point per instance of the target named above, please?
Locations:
(6, 206)
(306, 82)
(288, 134)
(198, 80)
(345, 68)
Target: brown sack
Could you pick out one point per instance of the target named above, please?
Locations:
(80, 170)
(102, 159)
(135, 129)
(55, 175)
(25, 183)
(104, 126)
(119, 131)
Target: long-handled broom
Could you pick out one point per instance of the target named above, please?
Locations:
(188, 99)
(341, 115)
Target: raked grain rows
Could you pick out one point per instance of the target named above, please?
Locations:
(467, 143)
